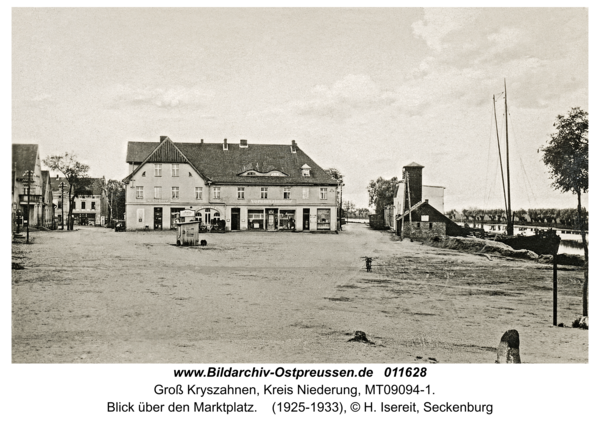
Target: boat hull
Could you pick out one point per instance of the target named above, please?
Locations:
(541, 243)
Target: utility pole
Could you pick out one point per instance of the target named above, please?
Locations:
(341, 204)
(62, 206)
(409, 207)
(27, 175)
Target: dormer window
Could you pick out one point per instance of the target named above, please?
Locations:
(257, 173)
(305, 171)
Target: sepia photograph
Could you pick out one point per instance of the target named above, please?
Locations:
(299, 185)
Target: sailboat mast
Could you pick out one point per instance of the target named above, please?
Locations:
(500, 155)
(509, 226)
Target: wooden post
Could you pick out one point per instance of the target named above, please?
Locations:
(554, 290)
(508, 350)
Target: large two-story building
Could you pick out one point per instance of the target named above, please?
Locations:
(90, 202)
(256, 187)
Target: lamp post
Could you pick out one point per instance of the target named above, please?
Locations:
(62, 206)
(27, 175)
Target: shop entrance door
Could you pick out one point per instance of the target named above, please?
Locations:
(271, 219)
(158, 215)
(235, 219)
(306, 219)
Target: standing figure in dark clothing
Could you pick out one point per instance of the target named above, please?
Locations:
(368, 261)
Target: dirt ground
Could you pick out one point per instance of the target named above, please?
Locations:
(97, 296)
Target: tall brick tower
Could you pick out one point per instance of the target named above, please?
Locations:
(415, 183)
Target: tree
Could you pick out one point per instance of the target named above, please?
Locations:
(452, 214)
(566, 155)
(335, 174)
(349, 206)
(381, 193)
(76, 175)
(113, 189)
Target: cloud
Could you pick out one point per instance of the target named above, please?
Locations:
(42, 98)
(165, 98)
(438, 23)
(339, 101)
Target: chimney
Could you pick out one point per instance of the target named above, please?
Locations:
(163, 137)
(225, 144)
(243, 143)
(414, 172)
(294, 145)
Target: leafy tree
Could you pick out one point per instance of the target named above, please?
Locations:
(521, 215)
(381, 193)
(566, 155)
(335, 174)
(113, 190)
(76, 175)
(349, 206)
(452, 214)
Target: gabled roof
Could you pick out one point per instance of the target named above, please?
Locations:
(223, 166)
(93, 185)
(55, 183)
(23, 158)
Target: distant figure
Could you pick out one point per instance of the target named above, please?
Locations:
(368, 261)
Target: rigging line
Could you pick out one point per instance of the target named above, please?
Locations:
(493, 185)
(500, 157)
(488, 158)
(516, 144)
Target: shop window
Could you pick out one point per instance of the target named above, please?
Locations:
(158, 169)
(256, 219)
(323, 194)
(139, 192)
(198, 193)
(264, 193)
(305, 193)
(175, 193)
(287, 192)
(157, 193)
(287, 219)
(240, 193)
(323, 219)
(216, 193)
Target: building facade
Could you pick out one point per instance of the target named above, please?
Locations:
(254, 187)
(47, 201)
(416, 192)
(90, 204)
(27, 201)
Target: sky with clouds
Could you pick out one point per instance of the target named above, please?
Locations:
(363, 90)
